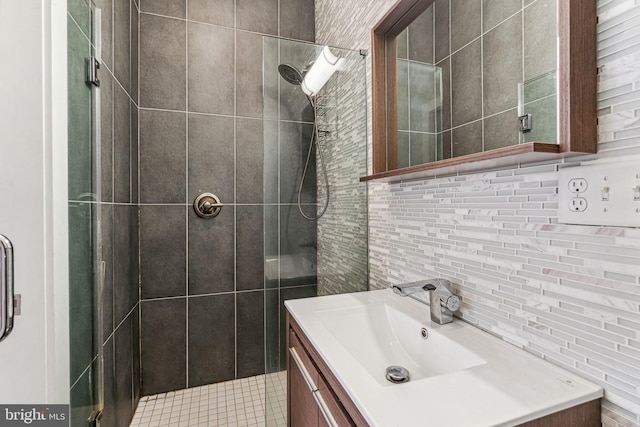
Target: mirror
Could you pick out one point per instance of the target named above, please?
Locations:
(469, 79)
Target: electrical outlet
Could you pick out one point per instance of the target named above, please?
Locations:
(602, 193)
(578, 204)
(578, 185)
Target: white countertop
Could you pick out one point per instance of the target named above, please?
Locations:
(513, 387)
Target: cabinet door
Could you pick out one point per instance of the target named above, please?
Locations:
(304, 411)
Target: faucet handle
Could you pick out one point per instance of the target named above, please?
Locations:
(444, 295)
(452, 302)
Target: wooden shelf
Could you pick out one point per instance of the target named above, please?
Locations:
(508, 156)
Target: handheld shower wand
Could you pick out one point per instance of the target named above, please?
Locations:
(312, 81)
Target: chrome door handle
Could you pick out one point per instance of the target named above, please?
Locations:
(6, 287)
(324, 409)
(303, 370)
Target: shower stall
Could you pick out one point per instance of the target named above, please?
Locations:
(161, 299)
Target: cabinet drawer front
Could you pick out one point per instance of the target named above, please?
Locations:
(300, 357)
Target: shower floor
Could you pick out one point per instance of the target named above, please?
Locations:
(232, 403)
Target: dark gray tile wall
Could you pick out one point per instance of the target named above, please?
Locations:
(119, 210)
(201, 130)
(486, 48)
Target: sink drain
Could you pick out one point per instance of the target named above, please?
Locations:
(397, 374)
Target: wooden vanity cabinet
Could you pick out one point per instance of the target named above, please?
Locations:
(314, 396)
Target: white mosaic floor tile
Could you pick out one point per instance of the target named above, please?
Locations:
(238, 403)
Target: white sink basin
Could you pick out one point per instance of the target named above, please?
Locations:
(460, 376)
(380, 335)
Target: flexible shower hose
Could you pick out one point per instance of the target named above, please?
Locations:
(314, 138)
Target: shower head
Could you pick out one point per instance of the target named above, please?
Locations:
(290, 74)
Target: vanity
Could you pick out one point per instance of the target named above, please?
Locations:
(340, 346)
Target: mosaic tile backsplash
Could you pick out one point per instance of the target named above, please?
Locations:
(569, 294)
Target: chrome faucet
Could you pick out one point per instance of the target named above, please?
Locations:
(441, 301)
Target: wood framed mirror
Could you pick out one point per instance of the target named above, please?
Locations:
(574, 75)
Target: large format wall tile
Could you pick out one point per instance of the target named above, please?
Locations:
(211, 339)
(122, 147)
(502, 66)
(211, 253)
(297, 19)
(466, 16)
(496, 11)
(123, 369)
(162, 251)
(107, 257)
(421, 33)
(106, 22)
(422, 95)
(109, 410)
(466, 84)
(135, 52)
(211, 69)
(501, 130)
(163, 62)
(467, 139)
(219, 12)
(258, 16)
(163, 151)
(163, 345)
(249, 75)
(250, 333)
(106, 136)
(173, 8)
(125, 260)
(134, 149)
(294, 145)
(211, 156)
(250, 160)
(441, 30)
(249, 253)
(122, 43)
(540, 38)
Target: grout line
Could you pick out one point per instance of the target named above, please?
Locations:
(222, 115)
(482, 75)
(186, 212)
(450, 55)
(235, 189)
(139, 319)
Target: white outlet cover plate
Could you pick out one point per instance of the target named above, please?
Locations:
(621, 209)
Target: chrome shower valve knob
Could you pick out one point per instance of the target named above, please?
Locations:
(207, 205)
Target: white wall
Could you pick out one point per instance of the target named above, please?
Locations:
(34, 358)
(556, 291)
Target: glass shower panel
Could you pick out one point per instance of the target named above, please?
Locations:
(305, 258)
(84, 213)
(419, 113)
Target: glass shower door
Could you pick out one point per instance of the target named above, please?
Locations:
(83, 32)
(305, 258)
